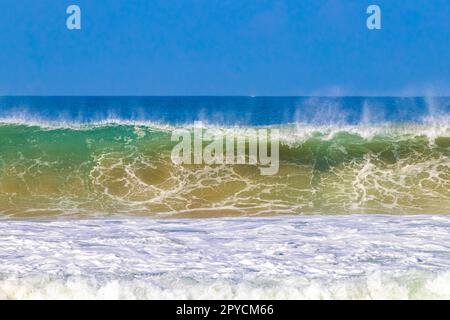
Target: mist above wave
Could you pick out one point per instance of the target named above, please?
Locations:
(225, 111)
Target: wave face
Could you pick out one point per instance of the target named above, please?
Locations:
(127, 169)
(95, 156)
(314, 257)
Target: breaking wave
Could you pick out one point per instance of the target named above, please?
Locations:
(126, 168)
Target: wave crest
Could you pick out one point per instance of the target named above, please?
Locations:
(122, 168)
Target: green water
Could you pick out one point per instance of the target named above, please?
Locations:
(126, 169)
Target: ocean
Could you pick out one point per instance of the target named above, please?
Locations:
(92, 205)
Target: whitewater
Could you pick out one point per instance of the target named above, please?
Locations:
(309, 257)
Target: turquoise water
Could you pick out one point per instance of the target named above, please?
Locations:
(97, 156)
(92, 205)
(250, 111)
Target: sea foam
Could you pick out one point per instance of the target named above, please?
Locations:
(332, 257)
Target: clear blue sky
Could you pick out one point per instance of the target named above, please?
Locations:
(212, 47)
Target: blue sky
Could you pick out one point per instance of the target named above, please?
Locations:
(212, 47)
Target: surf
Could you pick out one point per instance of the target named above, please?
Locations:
(126, 169)
(303, 257)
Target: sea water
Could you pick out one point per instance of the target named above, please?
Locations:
(91, 205)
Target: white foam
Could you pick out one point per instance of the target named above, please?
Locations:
(355, 256)
(430, 126)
